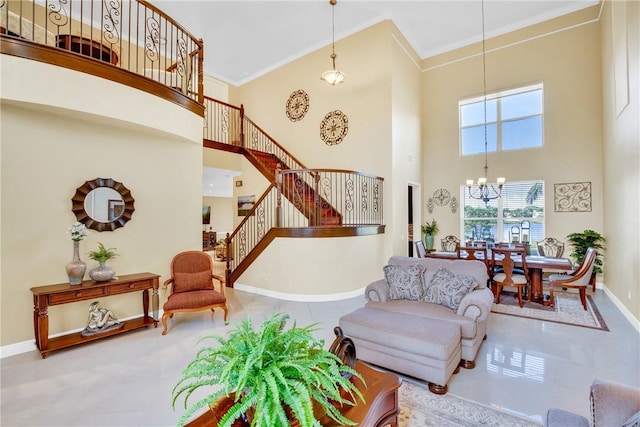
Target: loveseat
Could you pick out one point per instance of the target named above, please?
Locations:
(463, 298)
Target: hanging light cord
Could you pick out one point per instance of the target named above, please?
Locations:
(484, 88)
(333, 32)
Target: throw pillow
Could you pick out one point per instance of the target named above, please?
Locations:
(405, 282)
(447, 288)
(634, 421)
(183, 282)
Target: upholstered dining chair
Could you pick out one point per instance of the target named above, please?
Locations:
(449, 243)
(505, 277)
(550, 247)
(578, 279)
(192, 286)
(420, 249)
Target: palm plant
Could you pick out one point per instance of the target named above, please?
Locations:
(271, 372)
(583, 241)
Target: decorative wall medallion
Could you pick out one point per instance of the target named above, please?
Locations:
(572, 197)
(441, 197)
(297, 105)
(334, 127)
(454, 204)
(430, 205)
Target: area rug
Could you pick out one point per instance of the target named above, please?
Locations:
(421, 408)
(568, 310)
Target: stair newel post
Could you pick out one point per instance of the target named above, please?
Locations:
(227, 249)
(242, 142)
(200, 71)
(278, 196)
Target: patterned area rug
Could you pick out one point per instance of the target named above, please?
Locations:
(568, 310)
(421, 408)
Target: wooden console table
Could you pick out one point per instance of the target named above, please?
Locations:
(380, 407)
(63, 293)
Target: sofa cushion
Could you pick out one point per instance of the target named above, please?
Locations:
(405, 282)
(468, 327)
(474, 268)
(447, 288)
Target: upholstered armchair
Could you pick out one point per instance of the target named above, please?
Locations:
(449, 243)
(578, 279)
(612, 405)
(192, 286)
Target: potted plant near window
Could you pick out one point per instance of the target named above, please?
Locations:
(583, 241)
(273, 376)
(103, 272)
(429, 229)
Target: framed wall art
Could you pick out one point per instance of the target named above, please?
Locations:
(572, 197)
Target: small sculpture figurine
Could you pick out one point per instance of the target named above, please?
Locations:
(100, 320)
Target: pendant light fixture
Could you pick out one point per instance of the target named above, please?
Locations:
(482, 190)
(333, 76)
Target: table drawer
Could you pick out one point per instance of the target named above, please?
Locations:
(122, 288)
(75, 295)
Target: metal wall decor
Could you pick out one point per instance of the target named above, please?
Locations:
(442, 197)
(572, 197)
(334, 127)
(297, 105)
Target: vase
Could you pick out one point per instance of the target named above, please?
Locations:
(428, 241)
(76, 267)
(102, 273)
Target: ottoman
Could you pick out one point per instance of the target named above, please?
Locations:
(428, 349)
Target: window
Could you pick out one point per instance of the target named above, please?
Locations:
(514, 120)
(517, 215)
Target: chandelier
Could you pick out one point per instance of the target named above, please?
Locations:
(483, 190)
(333, 76)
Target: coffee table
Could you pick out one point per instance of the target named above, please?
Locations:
(380, 407)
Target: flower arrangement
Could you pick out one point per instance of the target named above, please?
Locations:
(103, 254)
(430, 228)
(77, 231)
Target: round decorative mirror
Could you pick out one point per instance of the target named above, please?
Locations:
(102, 204)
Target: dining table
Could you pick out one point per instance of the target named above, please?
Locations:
(535, 264)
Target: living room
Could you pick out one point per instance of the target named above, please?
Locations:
(53, 136)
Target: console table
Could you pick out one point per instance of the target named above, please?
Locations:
(63, 293)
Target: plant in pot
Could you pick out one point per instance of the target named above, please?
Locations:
(273, 376)
(429, 229)
(103, 272)
(583, 241)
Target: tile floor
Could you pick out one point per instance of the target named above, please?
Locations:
(525, 366)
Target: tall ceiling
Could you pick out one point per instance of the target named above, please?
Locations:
(246, 39)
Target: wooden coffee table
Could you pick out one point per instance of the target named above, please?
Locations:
(380, 407)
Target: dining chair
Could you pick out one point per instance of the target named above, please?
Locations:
(550, 247)
(578, 279)
(192, 286)
(505, 259)
(420, 249)
(474, 253)
(449, 243)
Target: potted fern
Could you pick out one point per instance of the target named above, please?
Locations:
(268, 377)
(103, 272)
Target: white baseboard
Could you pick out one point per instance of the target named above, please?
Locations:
(299, 297)
(30, 345)
(624, 310)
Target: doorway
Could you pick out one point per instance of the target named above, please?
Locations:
(413, 217)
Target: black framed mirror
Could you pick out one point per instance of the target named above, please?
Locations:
(102, 204)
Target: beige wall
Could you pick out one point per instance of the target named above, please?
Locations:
(53, 139)
(221, 214)
(568, 63)
(621, 138)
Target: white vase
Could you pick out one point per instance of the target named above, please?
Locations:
(102, 273)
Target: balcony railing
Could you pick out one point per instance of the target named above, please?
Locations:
(131, 35)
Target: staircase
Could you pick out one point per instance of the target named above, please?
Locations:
(299, 202)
